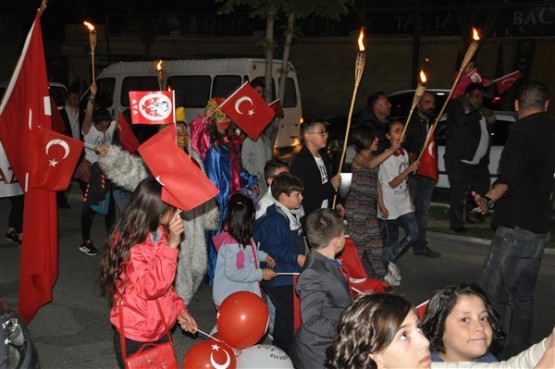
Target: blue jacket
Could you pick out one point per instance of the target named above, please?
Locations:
(277, 240)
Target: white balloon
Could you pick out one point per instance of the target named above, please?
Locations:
(264, 357)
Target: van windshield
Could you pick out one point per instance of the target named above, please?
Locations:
(190, 91)
(137, 84)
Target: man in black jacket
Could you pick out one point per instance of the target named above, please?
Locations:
(522, 197)
(467, 152)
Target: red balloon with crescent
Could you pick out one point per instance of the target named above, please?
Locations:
(209, 354)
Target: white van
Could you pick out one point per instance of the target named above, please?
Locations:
(195, 81)
(58, 91)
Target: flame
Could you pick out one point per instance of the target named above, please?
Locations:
(475, 35)
(90, 26)
(361, 40)
(423, 78)
(169, 88)
(159, 65)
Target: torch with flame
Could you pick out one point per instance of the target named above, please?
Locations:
(161, 74)
(467, 57)
(359, 69)
(92, 44)
(418, 93)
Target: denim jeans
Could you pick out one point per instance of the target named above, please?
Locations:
(464, 178)
(509, 278)
(421, 190)
(393, 250)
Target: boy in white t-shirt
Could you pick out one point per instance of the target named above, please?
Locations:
(395, 205)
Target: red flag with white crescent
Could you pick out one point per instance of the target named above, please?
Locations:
(152, 107)
(428, 161)
(53, 160)
(25, 107)
(248, 110)
(507, 81)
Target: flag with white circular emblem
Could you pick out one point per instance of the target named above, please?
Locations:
(152, 107)
(53, 159)
(248, 110)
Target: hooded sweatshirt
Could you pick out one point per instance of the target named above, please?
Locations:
(237, 267)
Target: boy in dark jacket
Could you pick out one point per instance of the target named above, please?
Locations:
(322, 287)
(280, 234)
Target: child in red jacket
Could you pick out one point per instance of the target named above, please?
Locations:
(138, 268)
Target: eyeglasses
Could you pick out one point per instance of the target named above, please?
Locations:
(321, 133)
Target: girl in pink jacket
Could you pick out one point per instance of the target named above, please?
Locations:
(138, 268)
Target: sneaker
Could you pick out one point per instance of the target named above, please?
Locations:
(429, 253)
(88, 248)
(391, 280)
(12, 236)
(394, 271)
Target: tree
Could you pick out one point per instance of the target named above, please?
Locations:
(292, 10)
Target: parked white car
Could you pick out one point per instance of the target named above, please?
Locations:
(401, 102)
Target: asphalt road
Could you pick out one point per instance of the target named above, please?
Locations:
(73, 331)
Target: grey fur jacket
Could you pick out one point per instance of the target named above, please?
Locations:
(127, 171)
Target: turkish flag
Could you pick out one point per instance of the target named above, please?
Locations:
(54, 159)
(277, 107)
(128, 139)
(184, 185)
(152, 107)
(428, 160)
(249, 110)
(26, 105)
(506, 82)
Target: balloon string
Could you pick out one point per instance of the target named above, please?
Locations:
(208, 335)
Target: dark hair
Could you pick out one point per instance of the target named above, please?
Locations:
(390, 124)
(286, 183)
(362, 137)
(366, 327)
(101, 115)
(141, 216)
(533, 95)
(473, 87)
(240, 214)
(306, 126)
(374, 98)
(322, 226)
(440, 306)
(73, 91)
(271, 166)
(258, 82)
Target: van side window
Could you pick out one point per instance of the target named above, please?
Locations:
(105, 87)
(190, 91)
(290, 97)
(223, 86)
(137, 84)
